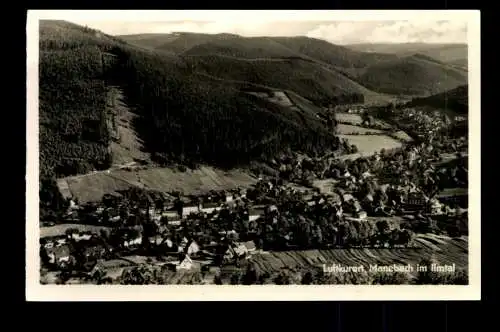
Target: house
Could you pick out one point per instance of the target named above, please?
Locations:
(192, 249)
(255, 214)
(229, 197)
(156, 240)
(183, 244)
(115, 218)
(311, 203)
(81, 236)
(229, 254)
(185, 263)
(169, 243)
(190, 209)
(242, 249)
(416, 198)
(362, 215)
(173, 217)
(59, 255)
(436, 207)
(210, 207)
(347, 197)
(94, 250)
(133, 241)
(112, 268)
(357, 206)
(72, 205)
(273, 208)
(250, 245)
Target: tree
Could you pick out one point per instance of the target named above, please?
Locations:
(251, 276)
(283, 278)
(235, 278)
(307, 279)
(217, 280)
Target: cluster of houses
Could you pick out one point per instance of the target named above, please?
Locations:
(348, 201)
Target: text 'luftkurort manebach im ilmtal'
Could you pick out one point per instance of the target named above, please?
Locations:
(393, 268)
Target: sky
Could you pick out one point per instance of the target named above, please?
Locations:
(336, 32)
(340, 27)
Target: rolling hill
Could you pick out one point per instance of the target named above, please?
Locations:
(449, 53)
(196, 99)
(416, 75)
(347, 69)
(181, 116)
(456, 100)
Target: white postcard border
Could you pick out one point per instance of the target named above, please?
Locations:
(37, 292)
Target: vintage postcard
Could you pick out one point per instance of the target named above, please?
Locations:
(253, 155)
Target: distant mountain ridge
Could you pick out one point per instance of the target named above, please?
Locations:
(356, 67)
(452, 53)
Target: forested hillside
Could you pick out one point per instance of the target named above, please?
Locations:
(448, 53)
(184, 117)
(456, 100)
(346, 69)
(306, 78)
(73, 136)
(415, 75)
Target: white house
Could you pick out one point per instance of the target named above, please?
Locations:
(133, 241)
(81, 236)
(115, 218)
(255, 214)
(58, 255)
(186, 264)
(193, 248)
(190, 209)
(156, 240)
(210, 208)
(171, 215)
(361, 215)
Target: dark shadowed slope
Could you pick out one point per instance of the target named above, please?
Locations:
(329, 53)
(308, 79)
(259, 47)
(456, 100)
(449, 53)
(413, 75)
(345, 69)
(182, 116)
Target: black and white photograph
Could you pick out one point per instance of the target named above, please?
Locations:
(253, 155)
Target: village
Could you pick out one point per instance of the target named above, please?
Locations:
(379, 201)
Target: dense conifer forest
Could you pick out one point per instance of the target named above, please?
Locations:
(184, 118)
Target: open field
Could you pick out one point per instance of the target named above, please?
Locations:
(345, 129)
(402, 136)
(92, 187)
(325, 186)
(349, 117)
(446, 250)
(58, 230)
(369, 144)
